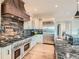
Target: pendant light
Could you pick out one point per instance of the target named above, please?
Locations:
(77, 13)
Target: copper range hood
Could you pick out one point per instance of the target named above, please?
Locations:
(14, 7)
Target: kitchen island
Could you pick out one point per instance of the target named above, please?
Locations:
(66, 51)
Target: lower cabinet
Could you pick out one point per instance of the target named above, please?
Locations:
(39, 38)
(36, 39)
(6, 52)
(33, 42)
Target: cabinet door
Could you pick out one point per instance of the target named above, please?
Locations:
(33, 41)
(40, 38)
(6, 52)
(0, 53)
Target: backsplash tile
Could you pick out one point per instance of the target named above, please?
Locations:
(11, 27)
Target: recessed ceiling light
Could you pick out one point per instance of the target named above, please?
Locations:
(78, 2)
(56, 6)
(72, 17)
(53, 18)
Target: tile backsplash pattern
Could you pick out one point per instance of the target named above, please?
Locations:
(11, 27)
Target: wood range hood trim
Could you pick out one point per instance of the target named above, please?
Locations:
(7, 15)
(9, 7)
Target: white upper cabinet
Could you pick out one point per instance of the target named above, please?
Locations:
(28, 25)
(34, 23)
(37, 23)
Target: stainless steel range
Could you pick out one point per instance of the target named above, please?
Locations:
(19, 48)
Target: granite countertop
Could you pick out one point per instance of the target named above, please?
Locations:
(9, 42)
(65, 50)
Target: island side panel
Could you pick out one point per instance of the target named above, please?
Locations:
(6, 52)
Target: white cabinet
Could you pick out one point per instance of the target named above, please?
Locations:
(33, 42)
(28, 25)
(40, 38)
(37, 23)
(36, 39)
(6, 52)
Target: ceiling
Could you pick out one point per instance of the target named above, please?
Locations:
(59, 9)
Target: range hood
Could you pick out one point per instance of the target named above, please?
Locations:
(77, 14)
(15, 8)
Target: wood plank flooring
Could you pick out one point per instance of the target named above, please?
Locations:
(41, 51)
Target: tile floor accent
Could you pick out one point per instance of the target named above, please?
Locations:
(41, 51)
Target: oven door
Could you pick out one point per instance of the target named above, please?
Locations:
(17, 53)
(26, 47)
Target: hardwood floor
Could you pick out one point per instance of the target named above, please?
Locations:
(41, 51)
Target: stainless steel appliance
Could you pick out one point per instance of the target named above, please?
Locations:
(17, 53)
(19, 48)
(26, 46)
(48, 39)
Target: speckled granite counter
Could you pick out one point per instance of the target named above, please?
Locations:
(9, 42)
(65, 50)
